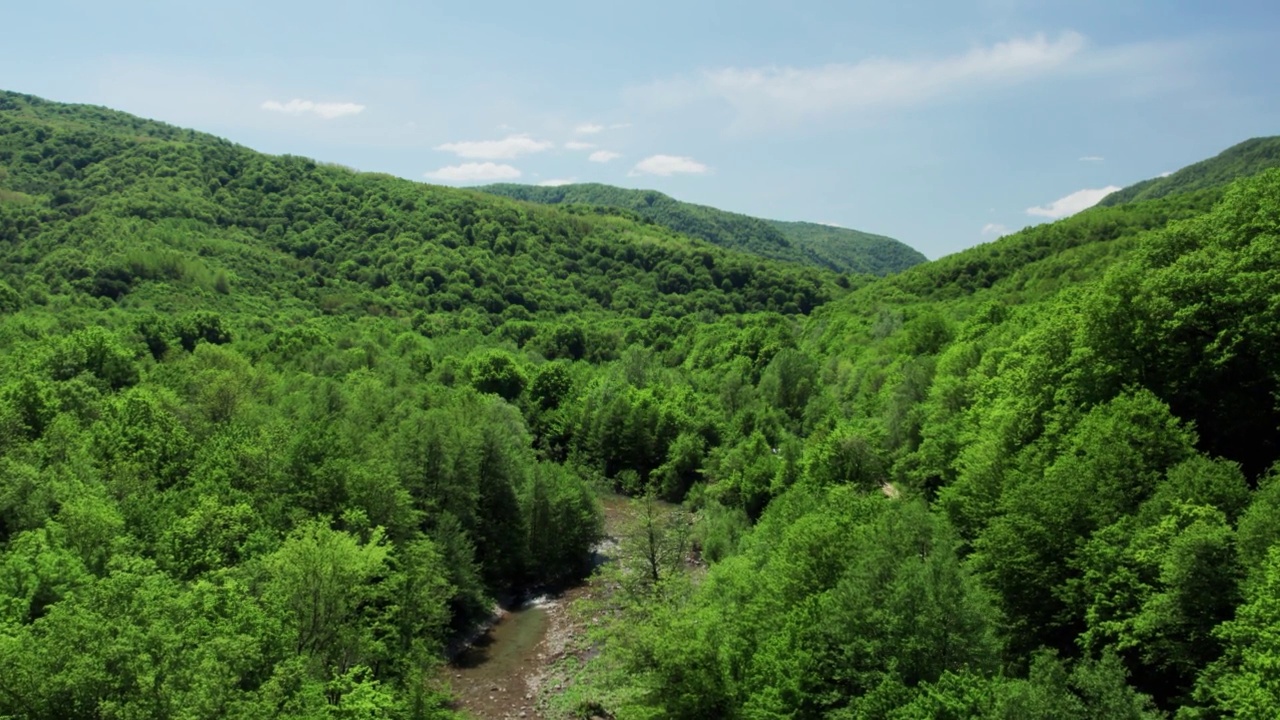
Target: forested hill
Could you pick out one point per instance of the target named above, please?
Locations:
(144, 201)
(273, 433)
(835, 248)
(1036, 479)
(1247, 158)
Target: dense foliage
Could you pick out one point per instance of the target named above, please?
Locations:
(1098, 459)
(273, 433)
(834, 248)
(849, 250)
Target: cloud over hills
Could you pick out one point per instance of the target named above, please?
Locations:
(508, 148)
(780, 95)
(1073, 203)
(667, 165)
(326, 110)
(474, 172)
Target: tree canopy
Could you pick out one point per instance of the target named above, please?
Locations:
(274, 433)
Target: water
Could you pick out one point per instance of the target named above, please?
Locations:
(490, 676)
(494, 678)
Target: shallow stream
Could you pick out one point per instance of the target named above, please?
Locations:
(491, 676)
(498, 675)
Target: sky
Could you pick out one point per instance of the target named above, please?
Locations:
(943, 123)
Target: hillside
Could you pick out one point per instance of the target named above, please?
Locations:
(1247, 158)
(838, 249)
(338, 239)
(274, 435)
(1082, 419)
(261, 372)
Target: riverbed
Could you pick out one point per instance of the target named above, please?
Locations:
(500, 675)
(491, 677)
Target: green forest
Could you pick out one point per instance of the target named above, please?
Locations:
(274, 434)
(826, 246)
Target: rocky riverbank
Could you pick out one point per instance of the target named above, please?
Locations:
(511, 668)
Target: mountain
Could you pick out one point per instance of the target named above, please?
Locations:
(338, 239)
(1070, 432)
(308, 423)
(1247, 158)
(838, 249)
(275, 434)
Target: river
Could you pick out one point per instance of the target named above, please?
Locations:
(493, 677)
(500, 675)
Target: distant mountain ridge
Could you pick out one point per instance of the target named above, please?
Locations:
(1242, 160)
(834, 248)
(77, 182)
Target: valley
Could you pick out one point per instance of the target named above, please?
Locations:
(275, 435)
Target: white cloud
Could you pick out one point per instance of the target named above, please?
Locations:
(576, 145)
(589, 128)
(1167, 173)
(995, 229)
(326, 110)
(666, 165)
(508, 148)
(558, 182)
(769, 96)
(603, 156)
(474, 172)
(1073, 203)
(1092, 158)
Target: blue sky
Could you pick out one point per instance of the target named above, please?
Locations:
(943, 124)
